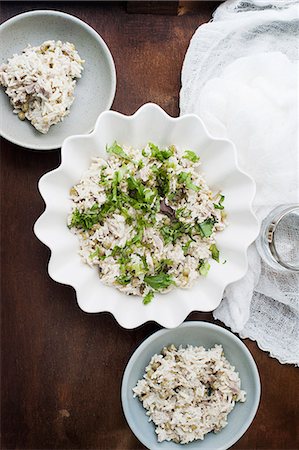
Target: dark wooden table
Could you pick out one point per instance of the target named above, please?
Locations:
(62, 368)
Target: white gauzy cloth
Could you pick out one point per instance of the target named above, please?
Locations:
(239, 76)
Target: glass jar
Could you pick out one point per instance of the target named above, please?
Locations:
(278, 241)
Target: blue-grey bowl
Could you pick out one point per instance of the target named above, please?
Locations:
(207, 335)
(94, 92)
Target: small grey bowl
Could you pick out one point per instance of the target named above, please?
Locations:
(94, 92)
(194, 333)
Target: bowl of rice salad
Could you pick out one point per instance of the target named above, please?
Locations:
(196, 386)
(56, 76)
(148, 217)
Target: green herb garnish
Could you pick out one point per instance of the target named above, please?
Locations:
(163, 265)
(219, 205)
(185, 178)
(186, 246)
(97, 253)
(124, 279)
(159, 281)
(116, 149)
(215, 252)
(161, 155)
(191, 156)
(85, 219)
(162, 180)
(148, 298)
(171, 233)
(139, 192)
(204, 268)
(205, 228)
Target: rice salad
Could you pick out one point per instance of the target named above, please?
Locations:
(40, 82)
(189, 392)
(146, 219)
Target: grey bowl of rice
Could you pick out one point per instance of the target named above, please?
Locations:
(56, 74)
(195, 385)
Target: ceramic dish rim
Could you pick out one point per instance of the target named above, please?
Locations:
(204, 325)
(108, 55)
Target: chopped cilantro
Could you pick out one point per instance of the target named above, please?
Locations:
(191, 156)
(143, 258)
(116, 149)
(171, 233)
(148, 298)
(185, 178)
(85, 219)
(124, 279)
(139, 192)
(204, 268)
(97, 254)
(172, 196)
(215, 252)
(205, 228)
(162, 180)
(161, 155)
(137, 238)
(163, 265)
(186, 246)
(159, 281)
(103, 181)
(219, 205)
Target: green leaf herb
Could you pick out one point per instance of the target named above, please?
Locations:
(97, 253)
(191, 156)
(219, 205)
(162, 180)
(163, 265)
(116, 149)
(204, 268)
(161, 155)
(205, 228)
(186, 178)
(148, 298)
(139, 192)
(186, 246)
(124, 279)
(159, 281)
(171, 233)
(215, 252)
(85, 219)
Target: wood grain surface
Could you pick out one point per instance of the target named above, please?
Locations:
(62, 368)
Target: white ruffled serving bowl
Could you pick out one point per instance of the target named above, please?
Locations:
(219, 164)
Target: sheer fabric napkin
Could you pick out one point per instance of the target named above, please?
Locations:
(240, 75)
